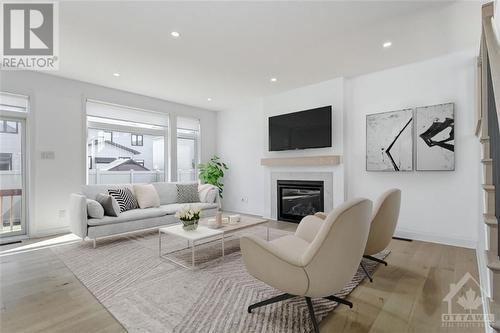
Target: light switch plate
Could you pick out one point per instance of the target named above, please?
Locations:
(48, 155)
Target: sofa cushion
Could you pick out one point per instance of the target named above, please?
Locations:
(187, 193)
(129, 215)
(173, 208)
(94, 209)
(110, 205)
(125, 198)
(146, 196)
(167, 192)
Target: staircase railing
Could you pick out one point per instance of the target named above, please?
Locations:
(492, 45)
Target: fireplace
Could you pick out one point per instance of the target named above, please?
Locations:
(299, 198)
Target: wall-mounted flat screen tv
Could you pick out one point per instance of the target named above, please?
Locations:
(301, 130)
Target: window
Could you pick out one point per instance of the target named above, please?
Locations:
(135, 134)
(137, 140)
(8, 126)
(5, 161)
(188, 131)
(108, 136)
(105, 136)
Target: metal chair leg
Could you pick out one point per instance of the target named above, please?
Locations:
(311, 312)
(339, 300)
(376, 259)
(275, 299)
(366, 272)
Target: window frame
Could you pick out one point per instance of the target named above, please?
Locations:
(9, 160)
(136, 144)
(3, 127)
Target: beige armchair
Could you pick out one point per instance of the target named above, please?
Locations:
(383, 224)
(317, 261)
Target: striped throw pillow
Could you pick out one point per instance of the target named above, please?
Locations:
(125, 198)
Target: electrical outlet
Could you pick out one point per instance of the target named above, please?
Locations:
(48, 155)
(244, 199)
(62, 213)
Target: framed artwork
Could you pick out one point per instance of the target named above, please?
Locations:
(389, 141)
(435, 137)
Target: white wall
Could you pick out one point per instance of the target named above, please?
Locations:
(57, 123)
(436, 206)
(240, 142)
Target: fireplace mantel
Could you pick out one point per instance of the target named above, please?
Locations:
(302, 161)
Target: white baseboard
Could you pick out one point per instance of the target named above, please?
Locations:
(50, 232)
(433, 238)
(485, 286)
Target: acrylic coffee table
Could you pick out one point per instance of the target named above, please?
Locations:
(191, 236)
(203, 232)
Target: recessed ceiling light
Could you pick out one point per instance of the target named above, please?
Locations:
(116, 74)
(387, 44)
(209, 99)
(175, 34)
(273, 79)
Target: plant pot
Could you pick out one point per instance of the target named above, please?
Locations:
(190, 225)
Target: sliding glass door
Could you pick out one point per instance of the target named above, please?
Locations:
(12, 177)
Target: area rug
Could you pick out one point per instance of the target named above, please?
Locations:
(146, 293)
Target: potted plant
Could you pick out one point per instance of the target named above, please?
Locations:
(189, 217)
(212, 172)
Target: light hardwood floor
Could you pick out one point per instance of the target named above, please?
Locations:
(40, 294)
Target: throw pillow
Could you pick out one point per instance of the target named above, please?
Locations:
(187, 193)
(208, 193)
(109, 204)
(124, 197)
(94, 209)
(146, 196)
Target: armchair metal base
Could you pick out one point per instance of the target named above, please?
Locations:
(376, 259)
(366, 272)
(283, 297)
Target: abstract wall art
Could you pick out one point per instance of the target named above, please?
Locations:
(435, 137)
(389, 141)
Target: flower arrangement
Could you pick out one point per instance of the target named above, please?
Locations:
(189, 217)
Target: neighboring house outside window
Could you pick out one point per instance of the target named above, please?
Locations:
(7, 126)
(137, 140)
(105, 136)
(5, 161)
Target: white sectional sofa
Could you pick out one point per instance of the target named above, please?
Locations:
(136, 219)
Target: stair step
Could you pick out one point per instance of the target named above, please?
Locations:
(493, 264)
(486, 148)
(489, 187)
(494, 308)
(493, 261)
(485, 139)
(490, 219)
(486, 161)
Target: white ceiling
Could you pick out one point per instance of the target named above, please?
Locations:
(229, 50)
